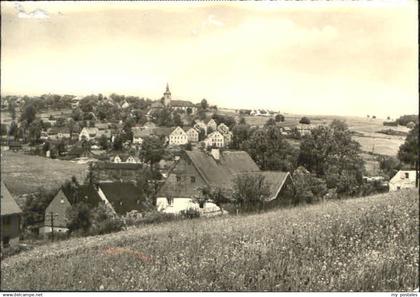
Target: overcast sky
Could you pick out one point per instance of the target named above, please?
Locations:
(344, 58)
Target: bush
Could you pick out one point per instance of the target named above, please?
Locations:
(105, 221)
(157, 217)
(190, 213)
(13, 250)
(305, 120)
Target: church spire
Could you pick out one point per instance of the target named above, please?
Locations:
(167, 88)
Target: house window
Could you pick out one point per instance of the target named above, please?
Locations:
(193, 179)
(178, 178)
(407, 175)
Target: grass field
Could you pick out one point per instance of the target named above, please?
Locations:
(24, 174)
(364, 244)
(371, 140)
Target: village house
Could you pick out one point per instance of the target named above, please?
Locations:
(197, 169)
(215, 139)
(58, 133)
(183, 105)
(62, 201)
(228, 138)
(123, 197)
(88, 133)
(222, 128)
(178, 137)
(10, 218)
(304, 129)
(200, 125)
(125, 158)
(403, 179)
(108, 171)
(192, 135)
(212, 125)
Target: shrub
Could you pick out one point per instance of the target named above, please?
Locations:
(104, 220)
(305, 120)
(157, 217)
(190, 213)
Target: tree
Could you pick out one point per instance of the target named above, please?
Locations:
(250, 191)
(28, 114)
(330, 153)
(214, 195)
(3, 129)
(270, 122)
(103, 142)
(308, 188)
(270, 150)
(389, 165)
(152, 150)
(189, 110)
(35, 205)
(13, 129)
(409, 151)
(204, 105)
(305, 120)
(61, 147)
(177, 120)
(35, 129)
(405, 119)
(79, 217)
(117, 145)
(279, 118)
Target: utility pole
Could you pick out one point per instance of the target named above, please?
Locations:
(52, 224)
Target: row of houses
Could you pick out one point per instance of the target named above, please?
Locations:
(220, 137)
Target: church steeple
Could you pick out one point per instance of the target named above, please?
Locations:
(167, 96)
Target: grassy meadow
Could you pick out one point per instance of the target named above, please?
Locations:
(24, 174)
(363, 244)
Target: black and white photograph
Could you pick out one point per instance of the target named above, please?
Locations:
(209, 146)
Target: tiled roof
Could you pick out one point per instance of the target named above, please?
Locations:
(181, 103)
(8, 203)
(124, 197)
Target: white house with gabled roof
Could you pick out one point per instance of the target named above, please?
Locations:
(178, 137)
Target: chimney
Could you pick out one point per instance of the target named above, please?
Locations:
(215, 152)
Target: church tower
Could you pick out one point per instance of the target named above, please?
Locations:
(167, 96)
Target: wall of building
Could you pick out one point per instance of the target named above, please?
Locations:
(11, 229)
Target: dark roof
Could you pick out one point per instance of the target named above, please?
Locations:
(181, 103)
(8, 203)
(275, 180)
(222, 172)
(124, 166)
(84, 193)
(124, 197)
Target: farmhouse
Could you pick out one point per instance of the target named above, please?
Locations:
(57, 133)
(88, 133)
(123, 197)
(197, 169)
(125, 158)
(10, 218)
(107, 171)
(403, 179)
(62, 201)
(215, 139)
(192, 134)
(178, 137)
(212, 124)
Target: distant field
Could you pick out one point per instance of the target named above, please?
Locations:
(24, 174)
(364, 244)
(380, 143)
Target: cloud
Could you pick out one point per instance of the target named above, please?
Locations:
(35, 14)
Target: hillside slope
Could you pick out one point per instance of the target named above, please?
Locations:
(24, 174)
(364, 244)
